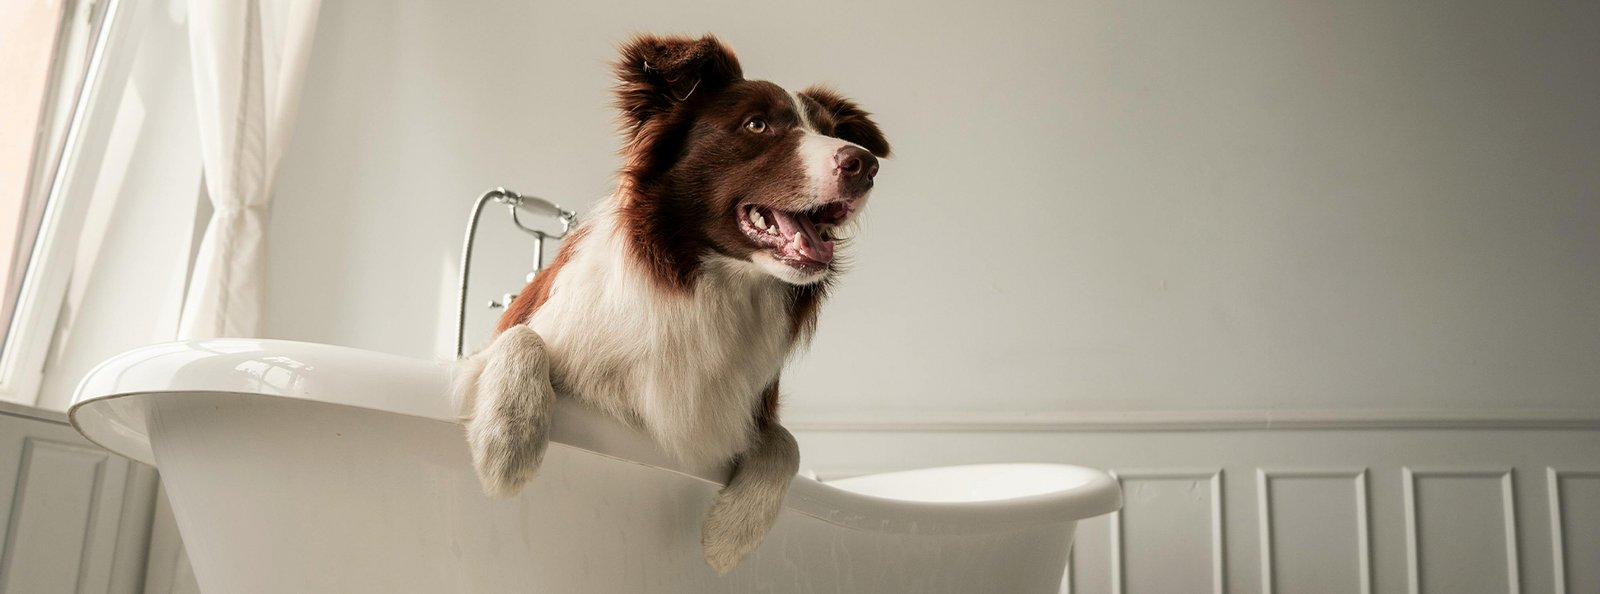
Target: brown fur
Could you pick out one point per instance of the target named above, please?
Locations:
(768, 414)
(691, 158)
(836, 116)
(656, 75)
(674, 95)
(807, 305)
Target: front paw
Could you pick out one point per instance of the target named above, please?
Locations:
(505, 451)
(510, 426)
(738, 521)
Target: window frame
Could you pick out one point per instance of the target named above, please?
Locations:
(70, 185)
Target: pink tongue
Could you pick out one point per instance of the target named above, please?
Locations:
(811, 244)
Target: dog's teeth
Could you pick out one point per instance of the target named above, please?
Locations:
(760, 221)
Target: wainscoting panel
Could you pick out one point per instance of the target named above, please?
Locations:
(1406, 506)
(1168, 535)
(1575, 528)
(75, 519)
(1465, 520)
(1314, 531)
(54, 509)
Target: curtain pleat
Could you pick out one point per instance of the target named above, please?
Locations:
(249, 63)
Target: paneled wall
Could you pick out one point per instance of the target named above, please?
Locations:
(1352, 506)
(1339, 504)
(75, 518)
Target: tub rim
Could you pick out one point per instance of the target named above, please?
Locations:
(111, 401)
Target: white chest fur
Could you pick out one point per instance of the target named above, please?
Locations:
(689, 369)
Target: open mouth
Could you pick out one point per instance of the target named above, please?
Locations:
(801, 239)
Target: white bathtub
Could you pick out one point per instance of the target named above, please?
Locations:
(296, 467)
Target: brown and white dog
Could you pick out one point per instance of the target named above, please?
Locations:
(674, 306)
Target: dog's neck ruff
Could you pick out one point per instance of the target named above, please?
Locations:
(690, 366)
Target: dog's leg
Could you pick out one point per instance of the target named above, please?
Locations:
(511, 410)
(748, 506)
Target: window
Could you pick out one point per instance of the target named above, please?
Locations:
(47, 58)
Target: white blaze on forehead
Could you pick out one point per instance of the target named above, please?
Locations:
(816, 156)
(800, 108)
(810, 127)
(816, 153)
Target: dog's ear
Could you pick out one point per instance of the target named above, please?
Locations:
(850, 122)
(656, 73)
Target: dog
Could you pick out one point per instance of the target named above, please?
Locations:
(675, 304)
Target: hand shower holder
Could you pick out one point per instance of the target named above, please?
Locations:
(514, 202)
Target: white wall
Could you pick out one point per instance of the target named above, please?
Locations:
(1095, 206)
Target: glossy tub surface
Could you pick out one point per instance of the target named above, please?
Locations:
(296, 467)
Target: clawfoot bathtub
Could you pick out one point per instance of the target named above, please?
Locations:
(296, 467)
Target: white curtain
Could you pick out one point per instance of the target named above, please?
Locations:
(249, 61)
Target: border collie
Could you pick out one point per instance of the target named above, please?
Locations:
(674, 306)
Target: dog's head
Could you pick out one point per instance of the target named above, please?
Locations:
(717, 165)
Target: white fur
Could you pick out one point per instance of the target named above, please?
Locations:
(507, 387)
(766, 264)
(800, 108)
(689, 369)
(749, 505)
(816, 155)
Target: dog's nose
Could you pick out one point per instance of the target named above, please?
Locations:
(856, 167)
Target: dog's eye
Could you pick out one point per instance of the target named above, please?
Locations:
(757, 125)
